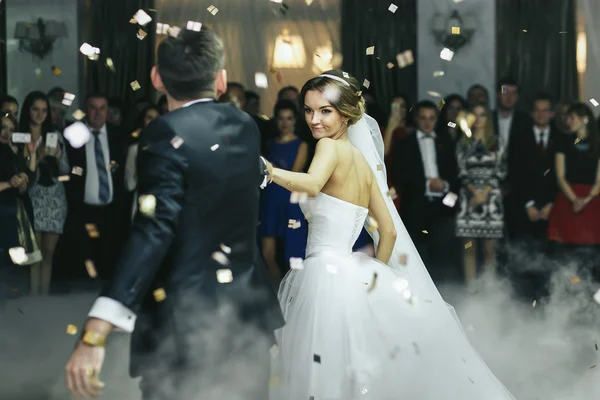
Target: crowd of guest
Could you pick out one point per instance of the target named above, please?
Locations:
(501, 191)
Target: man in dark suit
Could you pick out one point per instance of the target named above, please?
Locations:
(189, 279)
(531, 226)
(95, 195)
(513, 128)
(426, 173)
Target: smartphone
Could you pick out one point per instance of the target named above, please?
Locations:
(396, 108)
(18, 137)
(52, 140)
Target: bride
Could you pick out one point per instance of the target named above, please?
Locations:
(359, 327)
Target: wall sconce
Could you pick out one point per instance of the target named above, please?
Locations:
(453, 32)
(289, 51)
(38, 37)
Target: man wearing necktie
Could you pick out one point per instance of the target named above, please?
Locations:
(531, 235)
(425, 172)
(95, 193)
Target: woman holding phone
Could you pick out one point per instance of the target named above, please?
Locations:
(47, 193)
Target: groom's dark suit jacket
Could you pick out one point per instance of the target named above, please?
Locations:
(202, 165)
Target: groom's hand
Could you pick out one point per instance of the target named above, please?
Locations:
(83, 370)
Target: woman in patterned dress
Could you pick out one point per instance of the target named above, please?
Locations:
(482, 166)
(47, 193)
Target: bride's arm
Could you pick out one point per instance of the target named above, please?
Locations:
(385, 225)
(320, 170)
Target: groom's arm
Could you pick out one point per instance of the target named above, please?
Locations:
(161, 168)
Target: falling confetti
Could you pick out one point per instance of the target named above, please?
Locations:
(224, 275)
(392, 8)
(437, 74)
(390, 65)
(92, 231)
(194, 26)
(450, 199)
(213, 10)
(594, 102)
(176, 142)
(71, 330)
(298, 197)
(534, 303)
(141, 34)
(56, 71)
(372, 224)
(425, 232)
(142, 18)
(293, 224)
(379, 167)
(405, 59)
(78, 115)
(400, 285)
(441, 104)
(220, 257)
(147, 204)
(370, 50)
(366, 83)
(451, 124)
(77, 134)
(446, 54)
(174, 31)
(456, 30)
(392, 194)
(317, 358)
(135, 85)
(162, 29)
(68, 99)
(575, 280)
(91, 269)
(18, 255)
(296, 263)
(373, 283)
(159, 295)
(214, 147)
(261, 81)
(226, 249)
(468, 245)
(64, 178)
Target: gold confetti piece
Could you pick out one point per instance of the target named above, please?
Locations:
(403, 259)
(575, 280)
(468, 245)
(91, 269)
(263, 116)
(594, 102)
(224, 276)
(135, 85)
(577, 140)
(390, 65)
(194, 26)
(159, 295)
(372, 224)
(373, 283)
(456, 30)
(392, 8)
(136, 133)
(18, 255)
(77, 171)
(92, 231)
(434, 94)
(272, 70)
(174, 31)
(425, 232)
(220, 257)
(291, 184)
(214, 147)
(141, 34)
(296, 263)
(141, 17)
(226, 249)
(345, 75)
(78, 115)
(293, 224)
(437, 74)
(525, 30)
(71, 329)
(213, 10)
(392, 193)
(370, 50)
(298, 197)
(366, 83)
(64, 178)
(441, 104)
(147, 204)
(308, 2)
(176, 142)
(56, 71)
(534, 303)
(132, 21)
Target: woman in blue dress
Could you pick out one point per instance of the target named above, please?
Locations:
(283, 229)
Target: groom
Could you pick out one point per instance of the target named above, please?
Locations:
(189, 283)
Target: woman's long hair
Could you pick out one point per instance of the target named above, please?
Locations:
(489, 139)
(25, 118)
(583, 111)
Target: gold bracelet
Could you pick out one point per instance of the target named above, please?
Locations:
(93, 338)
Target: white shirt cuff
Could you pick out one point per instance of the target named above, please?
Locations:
(114, 312)
(529, 204)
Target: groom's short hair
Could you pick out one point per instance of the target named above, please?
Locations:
(188, 64)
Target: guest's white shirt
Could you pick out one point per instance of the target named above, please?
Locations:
(538, 133)
(429, 157)
(504, 124)
(91, 194)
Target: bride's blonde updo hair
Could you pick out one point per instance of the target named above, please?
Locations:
(346, 95)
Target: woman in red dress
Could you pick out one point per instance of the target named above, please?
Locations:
(574, 220)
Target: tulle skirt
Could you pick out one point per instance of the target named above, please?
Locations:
(355, 330)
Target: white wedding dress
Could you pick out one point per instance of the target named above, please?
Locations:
(359, 329)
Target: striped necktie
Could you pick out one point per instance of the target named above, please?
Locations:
(102, 167)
